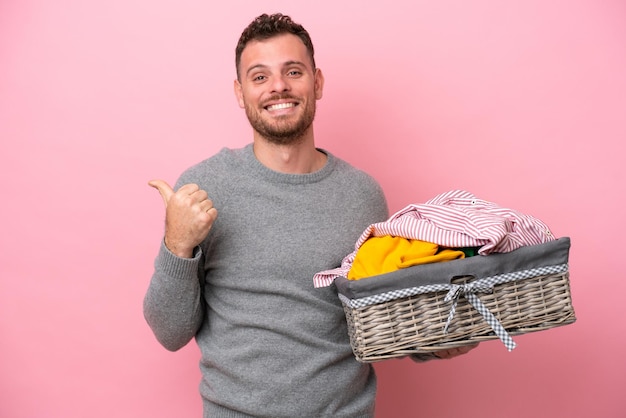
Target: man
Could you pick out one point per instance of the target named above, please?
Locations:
(241, 283)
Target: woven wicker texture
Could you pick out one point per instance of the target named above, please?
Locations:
(416, 324)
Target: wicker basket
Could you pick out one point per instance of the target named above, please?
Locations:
(428, 321)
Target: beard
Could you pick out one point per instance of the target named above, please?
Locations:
(282, 130)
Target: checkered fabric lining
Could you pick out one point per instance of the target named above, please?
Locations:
(486, 282)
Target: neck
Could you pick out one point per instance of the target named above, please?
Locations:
(298, 158)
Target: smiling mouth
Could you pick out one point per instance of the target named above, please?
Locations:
(280, 106)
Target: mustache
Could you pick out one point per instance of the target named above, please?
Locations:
(277, 97)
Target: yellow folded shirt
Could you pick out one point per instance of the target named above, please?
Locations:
(388, 253)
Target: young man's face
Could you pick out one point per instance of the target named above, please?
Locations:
(278, 88)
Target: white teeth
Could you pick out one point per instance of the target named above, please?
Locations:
(280, 106)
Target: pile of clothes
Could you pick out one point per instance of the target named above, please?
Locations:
(450, 226)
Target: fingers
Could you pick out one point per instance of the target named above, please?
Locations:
(199, 196)
(212, 214)
(454, 352)
(191, 190)
(206, 205)
(188, 194)
(189, 215)
(164, 189)
(196, 196)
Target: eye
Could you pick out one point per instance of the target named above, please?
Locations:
(259, 78)
(294, 73)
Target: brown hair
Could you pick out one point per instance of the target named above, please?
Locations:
(267, 26)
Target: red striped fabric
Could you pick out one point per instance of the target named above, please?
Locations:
(453, 219)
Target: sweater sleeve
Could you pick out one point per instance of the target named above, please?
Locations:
(173, 303)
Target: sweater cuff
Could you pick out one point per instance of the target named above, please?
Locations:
(171, 265)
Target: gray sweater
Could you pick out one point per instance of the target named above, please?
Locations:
(272, 345)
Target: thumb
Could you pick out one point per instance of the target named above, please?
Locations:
(164, 189)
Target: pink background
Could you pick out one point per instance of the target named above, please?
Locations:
(520, 102)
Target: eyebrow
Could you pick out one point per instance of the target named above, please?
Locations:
(286, 64)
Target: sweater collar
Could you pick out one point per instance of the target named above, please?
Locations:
(266, 173)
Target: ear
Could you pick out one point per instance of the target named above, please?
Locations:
(319, 83)
(239, 94)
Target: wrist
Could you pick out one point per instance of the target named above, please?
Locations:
(178, 251)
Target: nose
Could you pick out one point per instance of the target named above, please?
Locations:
(279, 84)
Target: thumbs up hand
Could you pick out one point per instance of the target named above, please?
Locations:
(189, 215)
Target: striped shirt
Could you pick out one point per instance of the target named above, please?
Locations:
(455, 219)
